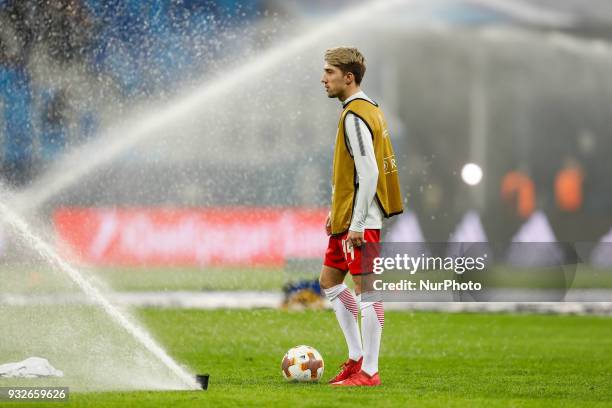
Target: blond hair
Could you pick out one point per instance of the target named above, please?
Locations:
(348, 59)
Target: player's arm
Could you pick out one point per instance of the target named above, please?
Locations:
(362, 149)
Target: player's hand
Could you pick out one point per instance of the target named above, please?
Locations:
(355, 238)
(328, 224)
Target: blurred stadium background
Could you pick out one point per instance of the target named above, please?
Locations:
(519, 88)
(183, 147)
(522, 90)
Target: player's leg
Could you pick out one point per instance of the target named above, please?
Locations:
(372, 317)
(344, 304)
(345, 307)
(331, 277)
(372, 322)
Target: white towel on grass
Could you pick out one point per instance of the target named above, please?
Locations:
(30, 368)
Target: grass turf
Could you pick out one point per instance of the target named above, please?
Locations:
(428, 359)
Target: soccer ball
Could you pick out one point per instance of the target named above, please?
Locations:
(302, 364)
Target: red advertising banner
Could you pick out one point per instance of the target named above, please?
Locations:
(190, 237)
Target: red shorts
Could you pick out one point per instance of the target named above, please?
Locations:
(341, 255)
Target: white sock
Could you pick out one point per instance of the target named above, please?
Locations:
(372, 322)
(345, 307)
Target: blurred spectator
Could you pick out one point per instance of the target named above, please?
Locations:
(64, 26)
(568, 186)
(518, 186)
(54, 122)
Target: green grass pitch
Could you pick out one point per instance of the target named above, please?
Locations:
(428, 359)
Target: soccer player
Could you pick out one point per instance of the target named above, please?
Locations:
(365, 188)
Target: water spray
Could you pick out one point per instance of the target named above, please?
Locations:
(49, 254)
(111, 144)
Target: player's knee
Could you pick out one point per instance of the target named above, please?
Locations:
(357, 282)
(324, 282)
(328, 279)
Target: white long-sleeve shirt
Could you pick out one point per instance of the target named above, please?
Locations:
(366, 211)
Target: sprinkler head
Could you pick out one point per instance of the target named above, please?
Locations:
(202, 379)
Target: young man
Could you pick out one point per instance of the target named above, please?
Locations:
(365, 188)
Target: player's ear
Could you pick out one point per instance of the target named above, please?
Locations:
(348, 78)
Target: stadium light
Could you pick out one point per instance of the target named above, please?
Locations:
(471, 174)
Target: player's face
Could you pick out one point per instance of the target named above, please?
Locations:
(334, 81)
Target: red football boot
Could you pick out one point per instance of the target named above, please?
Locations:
(349, 368)
(360, 379)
